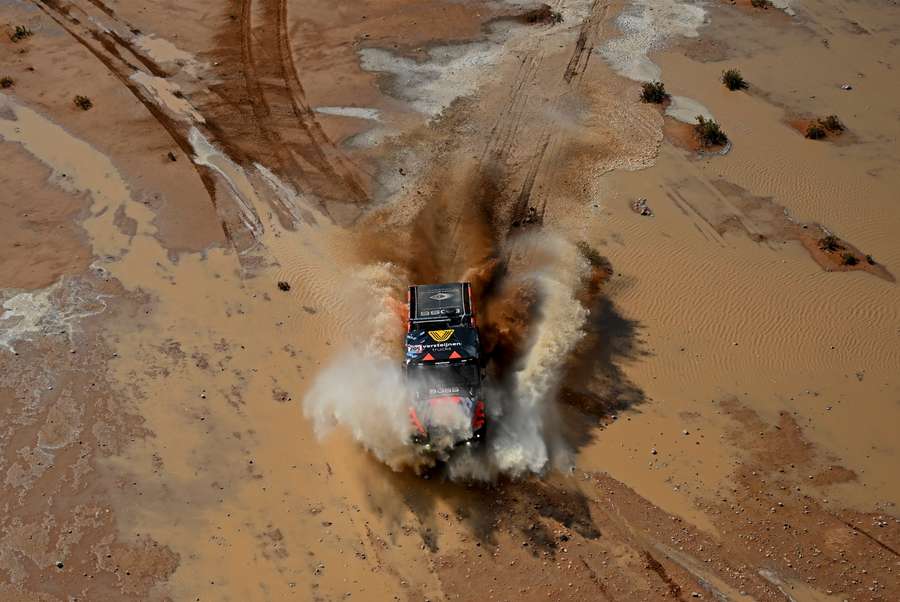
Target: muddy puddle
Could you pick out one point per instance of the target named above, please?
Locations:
(204, 275)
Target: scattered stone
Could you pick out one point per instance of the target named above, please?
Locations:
(846, 87)
(172, 156)
(653, 452)
(59, 564)
(641, 207)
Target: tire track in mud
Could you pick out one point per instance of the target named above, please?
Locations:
(259, 112)
(591, 30)
(504, 134)
(500, 189)
(294, 142)
(506, 124)
(122, 69)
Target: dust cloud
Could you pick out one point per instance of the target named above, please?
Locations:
(531, 322)
(526, 425)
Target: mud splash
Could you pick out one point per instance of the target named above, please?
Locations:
(527, 438)
(365, 391)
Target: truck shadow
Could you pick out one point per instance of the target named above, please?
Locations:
(595, 388)
(537, 511)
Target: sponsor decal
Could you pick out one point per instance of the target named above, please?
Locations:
(440, 336)
(439, 296)
(414, 349)
(445, 390)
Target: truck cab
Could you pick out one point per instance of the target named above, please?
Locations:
(444, 367)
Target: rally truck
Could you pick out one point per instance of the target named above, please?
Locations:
(444, 368)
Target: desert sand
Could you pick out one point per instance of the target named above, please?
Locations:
(203, 275)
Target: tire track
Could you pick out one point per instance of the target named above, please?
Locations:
(258, 113)
(122, 70)
(333, 159)
(591, 30)
(304, 154)
(547, 142)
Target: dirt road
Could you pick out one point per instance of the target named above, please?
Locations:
(700, 402)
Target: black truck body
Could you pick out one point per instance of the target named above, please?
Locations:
(444, 367)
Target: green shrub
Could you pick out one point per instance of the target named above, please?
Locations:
(654, 92)
(832, 123)
(83, 102)
(815, 131)
(543, 14)
(830, 243)
(849, 259)
(21, 32)
(7, 82)
(709, 132)
(733, 80)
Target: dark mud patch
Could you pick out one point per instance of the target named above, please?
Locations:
(817, 129)
(685, 136)
(777, 516)
(765, 221)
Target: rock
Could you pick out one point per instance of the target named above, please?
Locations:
(59, 564)
(846, 87)
(283, 286)
(172, 156)
(641, 207)
(653, 451)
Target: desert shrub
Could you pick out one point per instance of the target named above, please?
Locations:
(21, 32)
(654, 92)
(832, 123)
(830, 243)
(7, 82)
(815, 131)
(543, 14)
(761, 3)
(83, 102)
(284, 286)
(733, 80)
(849, 259)
(709, 132)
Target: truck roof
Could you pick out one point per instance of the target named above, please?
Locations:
(439, 301)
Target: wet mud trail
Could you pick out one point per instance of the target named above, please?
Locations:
(688, 406)
(110, 57)
(305, 155)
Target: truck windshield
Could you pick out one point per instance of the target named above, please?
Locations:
(444, 379)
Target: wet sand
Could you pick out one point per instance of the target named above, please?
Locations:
(728, 418)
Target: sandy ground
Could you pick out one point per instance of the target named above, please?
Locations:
(725, 427)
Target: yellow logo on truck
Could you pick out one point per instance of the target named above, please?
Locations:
(440, 335)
